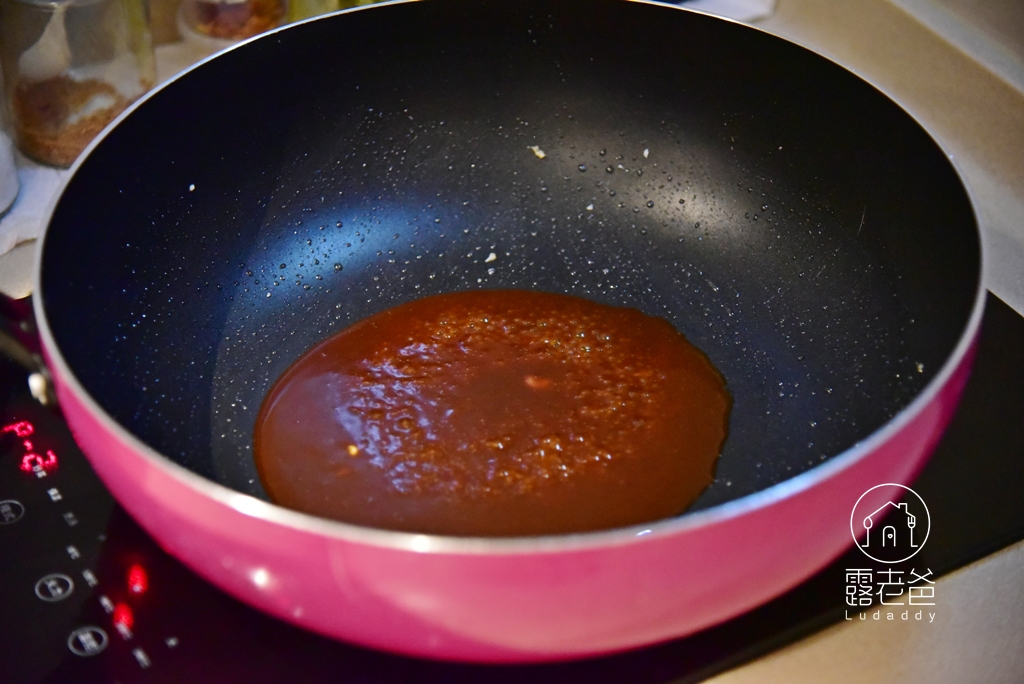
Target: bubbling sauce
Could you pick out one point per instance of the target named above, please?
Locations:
(495, 413)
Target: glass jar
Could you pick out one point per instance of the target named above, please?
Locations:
(8, 169)
(304, 9)
(71, 67)
(230, 20)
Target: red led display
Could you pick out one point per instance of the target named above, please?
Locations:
(22, 428)
(138, 580)
(31, 462)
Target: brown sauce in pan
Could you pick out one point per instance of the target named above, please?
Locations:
(495, 413)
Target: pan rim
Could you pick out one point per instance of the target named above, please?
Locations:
(493, 546)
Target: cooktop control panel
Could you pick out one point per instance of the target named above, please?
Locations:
(79, 612)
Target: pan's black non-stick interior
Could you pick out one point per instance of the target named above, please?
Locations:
(786, 217)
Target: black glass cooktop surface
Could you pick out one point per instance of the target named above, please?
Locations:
(86, 596)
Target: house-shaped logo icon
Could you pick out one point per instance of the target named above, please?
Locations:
(890, 523)
(898, 529)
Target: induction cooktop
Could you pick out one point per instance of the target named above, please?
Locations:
(87, 597)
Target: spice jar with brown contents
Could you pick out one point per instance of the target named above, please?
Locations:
(70, 68)
(230, 19)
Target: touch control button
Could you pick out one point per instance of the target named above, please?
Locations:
(10, 511)
(55, 587)
(87, 641)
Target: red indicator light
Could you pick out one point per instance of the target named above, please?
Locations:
(33, 463)
(138, 580)
(22, 428)
(123, 616)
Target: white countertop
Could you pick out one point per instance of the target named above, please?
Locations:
(963, 79)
